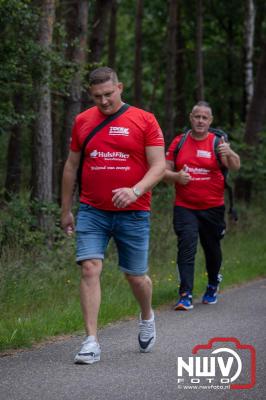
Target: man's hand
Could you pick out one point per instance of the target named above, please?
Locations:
(224, 148)
(229, 158)
(183, 176)
(123, 197)
(67, 223)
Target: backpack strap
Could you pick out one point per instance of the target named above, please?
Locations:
(180, 144)
(92, 134)
(218, 135)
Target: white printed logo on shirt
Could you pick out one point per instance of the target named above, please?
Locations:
(94, 153)
(110, 155)
(204, 154)
(118, 131)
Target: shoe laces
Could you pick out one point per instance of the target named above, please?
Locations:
(146, 329)
(90, 343)
(186, 296)
(211, 290)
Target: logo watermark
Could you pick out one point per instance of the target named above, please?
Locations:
(222, 363)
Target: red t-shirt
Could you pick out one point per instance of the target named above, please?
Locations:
(115, 157)
(206, 188)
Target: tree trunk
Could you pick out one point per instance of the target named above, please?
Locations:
(97, 40)
(13, 169)
(77, 28)
(249, 47)
(230, 68)
(155, 85)
(57, 112)
(181, 115)
(257, 111)
(171, 45)
(42, 184)
(138, 59)
(199, 54)
(255, 119)
(112, 35)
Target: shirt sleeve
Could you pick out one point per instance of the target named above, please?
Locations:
(74, 142)
(172, 147)
(154, 134)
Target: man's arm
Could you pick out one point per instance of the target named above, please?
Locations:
(156, 160)
(229, 158)
(68, 187)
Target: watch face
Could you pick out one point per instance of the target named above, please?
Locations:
(136, 191)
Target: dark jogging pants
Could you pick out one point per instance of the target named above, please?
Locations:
(209, 226)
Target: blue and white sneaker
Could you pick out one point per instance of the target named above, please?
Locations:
(210, 296)
(90, 352)
(147, 334)
(184, 303)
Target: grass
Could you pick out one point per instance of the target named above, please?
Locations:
(39, 292)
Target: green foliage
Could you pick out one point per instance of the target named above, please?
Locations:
(253, 161)
(62, 69)
(18, 224)
(24, 62)
(23, 67)
(17, 52)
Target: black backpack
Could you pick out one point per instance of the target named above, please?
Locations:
(218, 135)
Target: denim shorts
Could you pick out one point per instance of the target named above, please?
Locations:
(129, 229)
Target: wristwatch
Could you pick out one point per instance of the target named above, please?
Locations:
(136, 191)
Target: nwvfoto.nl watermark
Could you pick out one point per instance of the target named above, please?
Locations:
(222, 363)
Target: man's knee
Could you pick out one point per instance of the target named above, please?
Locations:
(91, 269)
(139, 281)
(188, 239)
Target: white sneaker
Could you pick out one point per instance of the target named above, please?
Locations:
(90, 351)
(147, 334)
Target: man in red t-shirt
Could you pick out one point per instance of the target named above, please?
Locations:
(121, 164)
(199, 202)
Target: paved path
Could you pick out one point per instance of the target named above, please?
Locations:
(48, 373)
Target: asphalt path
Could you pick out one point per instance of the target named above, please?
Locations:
(48, 372)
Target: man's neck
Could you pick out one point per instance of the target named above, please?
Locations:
(198, 136)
